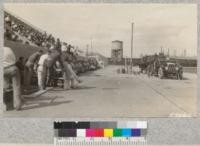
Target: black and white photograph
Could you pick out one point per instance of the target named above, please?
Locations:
(99, 60)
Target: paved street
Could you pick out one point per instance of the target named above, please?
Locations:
(104, 93)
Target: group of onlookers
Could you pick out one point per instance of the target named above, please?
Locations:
(57, 60)
(14, 28)
(16, 72)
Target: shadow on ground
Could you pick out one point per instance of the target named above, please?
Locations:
(169, 78)
(83, 88)
(42, 101)
(90, 74)
(77, 88)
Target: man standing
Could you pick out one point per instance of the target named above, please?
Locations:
(29, 66)
(20, 65)
(11, 73)
(50, 63)
(69, 77)
(42, 70)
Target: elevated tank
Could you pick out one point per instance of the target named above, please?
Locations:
(117, 51)
(117, 45)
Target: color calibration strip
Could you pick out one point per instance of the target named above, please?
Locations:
(100, 133)
(100, 129)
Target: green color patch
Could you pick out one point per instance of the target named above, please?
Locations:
(117, 132)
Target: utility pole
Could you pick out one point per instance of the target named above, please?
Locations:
(174, 52)
(125, 65)
(87, 46)
(168, 52)
(131, 63)
(161, 50)
(185, 53)
(91, 46)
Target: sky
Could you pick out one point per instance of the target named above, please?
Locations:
(170, 26)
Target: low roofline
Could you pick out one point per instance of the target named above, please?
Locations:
(117, 41)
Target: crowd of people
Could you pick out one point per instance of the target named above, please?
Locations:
(56, 60)
(14, 28)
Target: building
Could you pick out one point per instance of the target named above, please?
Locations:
(117, 51)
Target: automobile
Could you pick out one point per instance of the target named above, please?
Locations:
(170, 69)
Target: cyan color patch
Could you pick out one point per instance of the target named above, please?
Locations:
(126, 132)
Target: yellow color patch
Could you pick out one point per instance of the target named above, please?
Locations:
(108, 132)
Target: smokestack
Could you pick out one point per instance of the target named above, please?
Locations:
(185, 53)
(87, 47)
(161, 49)
(174, 52)
(168, 52)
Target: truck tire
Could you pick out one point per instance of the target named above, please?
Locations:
(160, 73)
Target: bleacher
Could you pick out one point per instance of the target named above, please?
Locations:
(25, 32)
(30, 38)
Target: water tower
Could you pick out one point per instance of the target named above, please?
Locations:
(117, 51)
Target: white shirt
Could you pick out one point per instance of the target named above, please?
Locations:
(9, 57)
(41, 62)
(51, 48)
(64, 48)
(42, 59)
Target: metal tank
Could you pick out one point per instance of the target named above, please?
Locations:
(117, 51)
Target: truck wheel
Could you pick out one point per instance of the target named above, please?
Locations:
(160, 73)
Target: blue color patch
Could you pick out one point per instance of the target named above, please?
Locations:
(136, 132)
(126, 132)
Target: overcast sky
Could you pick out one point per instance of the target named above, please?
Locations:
(172, 26)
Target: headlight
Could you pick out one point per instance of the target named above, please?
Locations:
(176, 68)
(166, 67)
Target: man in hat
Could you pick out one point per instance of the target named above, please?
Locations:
(29, 66)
